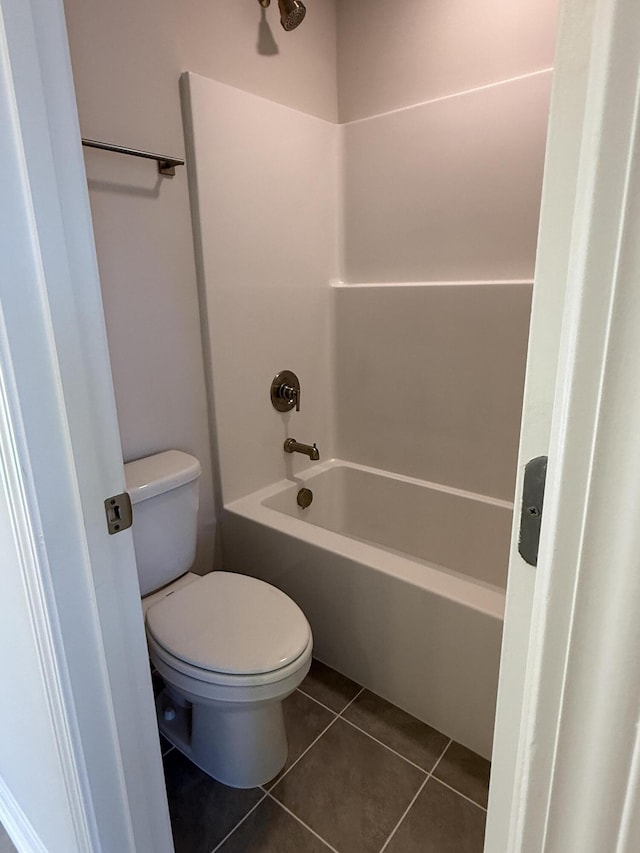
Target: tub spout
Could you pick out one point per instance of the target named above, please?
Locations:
(293, 446)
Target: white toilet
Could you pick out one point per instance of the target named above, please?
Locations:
(230, 648)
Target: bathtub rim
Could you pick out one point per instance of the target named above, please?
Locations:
(428, 576)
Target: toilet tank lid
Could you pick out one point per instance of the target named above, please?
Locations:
(159, 473)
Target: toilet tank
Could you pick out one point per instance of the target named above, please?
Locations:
(164, 493)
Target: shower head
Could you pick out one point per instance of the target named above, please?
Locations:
(292, 12)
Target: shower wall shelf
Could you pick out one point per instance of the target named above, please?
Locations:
(166, 165)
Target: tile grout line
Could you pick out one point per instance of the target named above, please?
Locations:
(417, 794)
(389, 748)
(447, 785)
(302, 754)
(326, 707)
(386, 746)
(349, 704)
(301, 822)
(241, 821)
(404, 814)
(339, 715)
(374, 738)
(442, 755)
(267, 792)
(460, 794)
(318, 702)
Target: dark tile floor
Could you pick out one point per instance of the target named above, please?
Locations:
(362, 777)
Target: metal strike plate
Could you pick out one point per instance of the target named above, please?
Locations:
(535, 474)
(119, 512)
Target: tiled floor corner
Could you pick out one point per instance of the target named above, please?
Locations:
(362, 776)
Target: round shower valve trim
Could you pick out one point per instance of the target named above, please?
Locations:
(285, 391)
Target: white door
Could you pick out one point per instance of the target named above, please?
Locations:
(80, 766)
(566, 769)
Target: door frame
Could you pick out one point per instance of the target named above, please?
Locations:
(60, 458)
(566, 772)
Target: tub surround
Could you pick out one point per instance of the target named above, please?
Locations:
(449, 189)
(274, 212)
(429, 380)
(264, 184)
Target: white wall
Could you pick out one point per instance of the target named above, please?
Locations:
(127, 58)
(265, 195)
(145, 255)
(395, 54)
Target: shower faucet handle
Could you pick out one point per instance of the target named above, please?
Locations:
(292, 394)
(285, 391)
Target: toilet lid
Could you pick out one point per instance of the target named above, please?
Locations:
(230, 623)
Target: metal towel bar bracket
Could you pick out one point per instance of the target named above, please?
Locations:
(166, 165)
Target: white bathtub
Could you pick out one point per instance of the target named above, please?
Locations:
(402, 582)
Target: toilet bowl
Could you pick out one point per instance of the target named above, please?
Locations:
(229, 647)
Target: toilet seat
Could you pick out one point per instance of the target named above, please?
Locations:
(229, 629)
(206, 683)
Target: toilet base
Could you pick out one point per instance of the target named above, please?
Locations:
(242, 745)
